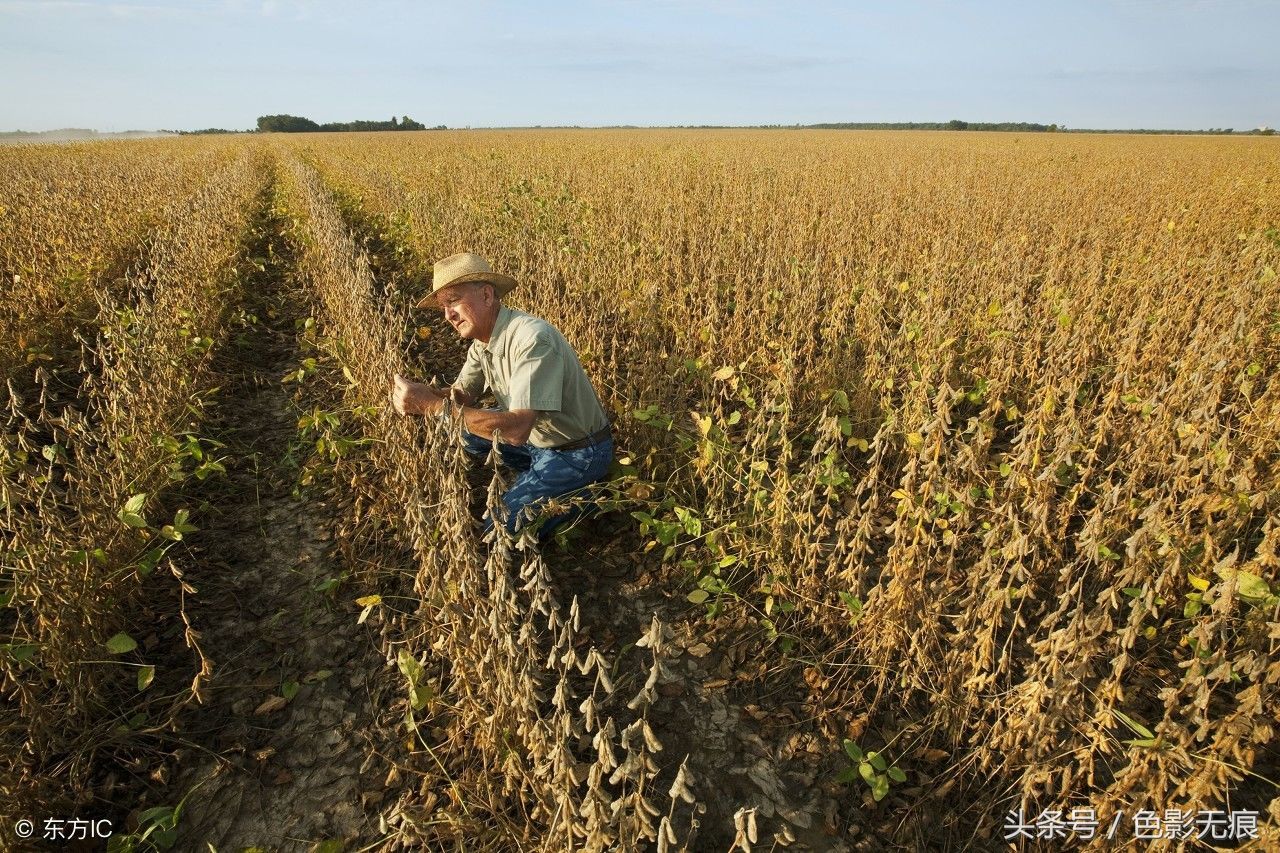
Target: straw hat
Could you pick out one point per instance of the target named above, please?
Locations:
(462, 268)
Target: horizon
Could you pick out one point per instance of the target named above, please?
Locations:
(918, 126)
(921, 125)
(1098, 65)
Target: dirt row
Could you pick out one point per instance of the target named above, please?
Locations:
(282, 755)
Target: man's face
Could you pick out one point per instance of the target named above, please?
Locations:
(470, 308)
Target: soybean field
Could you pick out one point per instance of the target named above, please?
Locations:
(945, 515)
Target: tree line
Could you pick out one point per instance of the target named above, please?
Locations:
(954, 124)
(1017, 126)
(298, 124)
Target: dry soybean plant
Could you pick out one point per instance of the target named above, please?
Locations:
(72, 219)
(86, 476)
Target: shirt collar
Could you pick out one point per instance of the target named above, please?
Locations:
(499, 329)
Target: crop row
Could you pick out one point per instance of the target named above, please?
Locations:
(518, 687)
(92, 455)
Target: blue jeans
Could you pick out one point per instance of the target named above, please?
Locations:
(544, 474)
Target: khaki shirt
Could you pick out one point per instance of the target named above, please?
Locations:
(528, 364)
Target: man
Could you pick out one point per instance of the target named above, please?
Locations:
(553, 428)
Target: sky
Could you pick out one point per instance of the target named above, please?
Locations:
(186, 64)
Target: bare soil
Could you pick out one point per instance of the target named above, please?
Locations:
(282, 755)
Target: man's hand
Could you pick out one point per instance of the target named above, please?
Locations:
(413, 398)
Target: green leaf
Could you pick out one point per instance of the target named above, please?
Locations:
(409, 666)
(160, 815)
(22, 653)
(135, 503)
(896, 774)
(181, 522)
(121, 644)
(1248, 585)
(145, 676)
(289, 689)
(698, 596)
(877, 760)
(149, 561)
(1137, 727)
(132, 519)
(880, 787)
(420, 695)
(867, 772)
(852, 750)
(170, 533)
(847, 775)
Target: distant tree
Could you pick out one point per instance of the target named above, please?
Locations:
(286, 124)
(957, 124)
(298, 124)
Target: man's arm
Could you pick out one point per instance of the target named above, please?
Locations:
(515, 426)
(415, 398)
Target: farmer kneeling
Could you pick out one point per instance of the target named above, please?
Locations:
(553, 428)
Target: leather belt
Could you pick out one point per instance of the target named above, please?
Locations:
(596, 437)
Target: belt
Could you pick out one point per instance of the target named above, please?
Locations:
(602, 434)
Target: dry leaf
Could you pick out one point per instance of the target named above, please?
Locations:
(270, 706)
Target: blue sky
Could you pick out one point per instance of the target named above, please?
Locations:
(185, 64)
